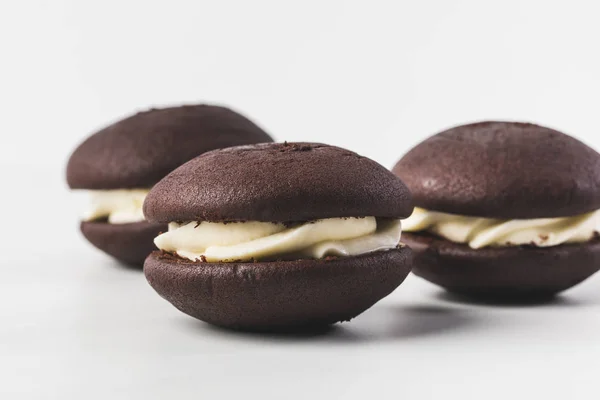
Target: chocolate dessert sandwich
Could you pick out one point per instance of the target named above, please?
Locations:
(119, 164)
(504, 210)
(278, 236)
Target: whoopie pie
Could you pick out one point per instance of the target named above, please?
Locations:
(503, 209)
(278, 236)
(119, 164)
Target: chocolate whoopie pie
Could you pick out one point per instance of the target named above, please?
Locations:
(120, 163)
(503, 209)
(278, 236)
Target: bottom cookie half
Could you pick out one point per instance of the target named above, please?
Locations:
(511, 272)
(278, 295)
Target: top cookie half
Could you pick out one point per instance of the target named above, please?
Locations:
(138, 151)
(278, 182)
(503, 170)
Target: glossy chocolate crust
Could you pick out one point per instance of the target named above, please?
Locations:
(505, 272)
(279, 295)
(138, 151)
(503, 170)
(278, 182)
(129, 243)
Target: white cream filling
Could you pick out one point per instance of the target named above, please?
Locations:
(120, 206)
(483, 232)
(244, 241)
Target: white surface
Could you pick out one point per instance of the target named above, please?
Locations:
(376, 79)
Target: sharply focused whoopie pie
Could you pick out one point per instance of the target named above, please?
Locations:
(278, 236)
(505, 210)
(120, 163)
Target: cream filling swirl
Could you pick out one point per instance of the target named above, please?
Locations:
(120, 206)
(253, 240)
(484, 232)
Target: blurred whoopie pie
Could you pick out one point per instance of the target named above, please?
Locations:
(278, 236)
(119, 164)
(503, 210)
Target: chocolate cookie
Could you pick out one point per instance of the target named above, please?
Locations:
(507, 209)
(503, 170)
(140, 150)
(278, 182)
(277, 295)
(128, 243)
(513, 272)
(278, 236)
(121, 161)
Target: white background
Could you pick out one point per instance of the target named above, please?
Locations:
(375, 77)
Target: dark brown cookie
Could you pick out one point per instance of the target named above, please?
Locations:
(278, 182)
(280, 295)
(503, 170)
(511, 273)
(289, 182)
(130, 243)
(138, 151)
